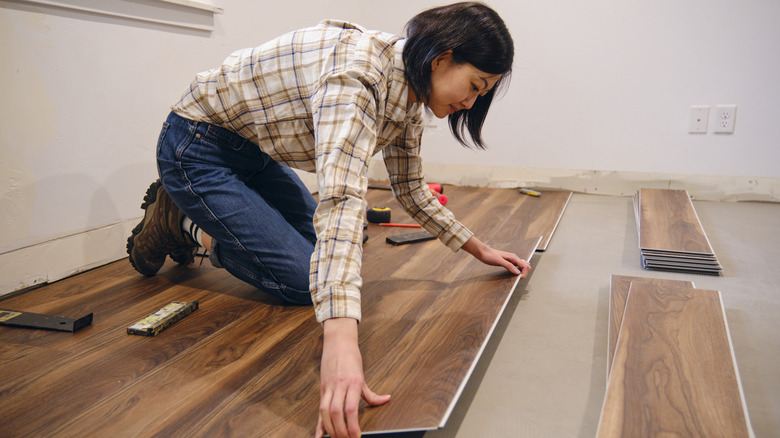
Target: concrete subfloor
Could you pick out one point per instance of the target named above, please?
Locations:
(543, 373)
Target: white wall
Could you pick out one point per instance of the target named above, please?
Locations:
(607, 85)
(599, 99)
(84, 97)
(601, 92)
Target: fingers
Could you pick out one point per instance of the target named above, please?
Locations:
(372, 398)
(325, 421)
(523, 271)
(510, 266)
(336, 411)
(319, 432)
(516, 265)
(509, 261)
(524, 267)
(339, 412)
(351, 411)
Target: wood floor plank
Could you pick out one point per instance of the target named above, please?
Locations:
(114, 362)
(674, 372)
(541, 215)
(415, 302)
(668, 222)
(681, 259)
(244, 365)
(618, 292)
(538, 216)
(91, 350)
(681, 264)
(445, 342)
(17, 362)
(680, 267)
(207, 376)
(680, 255)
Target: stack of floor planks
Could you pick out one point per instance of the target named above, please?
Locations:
(671, 237)
(671, 367)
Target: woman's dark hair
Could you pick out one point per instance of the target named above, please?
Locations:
(476, 35)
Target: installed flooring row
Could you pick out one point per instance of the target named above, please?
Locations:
(243, 364)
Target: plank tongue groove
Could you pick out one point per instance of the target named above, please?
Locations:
(674, 372)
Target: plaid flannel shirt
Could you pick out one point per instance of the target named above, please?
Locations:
(326, 99)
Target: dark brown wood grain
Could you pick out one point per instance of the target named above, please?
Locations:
(246, 365)
(618, 292)
(541, 215)
(674, 372)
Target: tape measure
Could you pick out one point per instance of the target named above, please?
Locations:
(378, 215)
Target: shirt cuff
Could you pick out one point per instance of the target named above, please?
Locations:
(336, 302)
(455, 236)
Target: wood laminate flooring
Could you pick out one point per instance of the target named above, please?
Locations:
(243, 364)
(618, 293)
(542, 214)
(674, 372)
(671, 237)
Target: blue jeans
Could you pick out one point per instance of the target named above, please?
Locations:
(258, 212)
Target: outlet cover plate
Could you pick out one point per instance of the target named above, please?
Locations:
(725, 116)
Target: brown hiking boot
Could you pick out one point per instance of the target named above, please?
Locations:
(159, 234)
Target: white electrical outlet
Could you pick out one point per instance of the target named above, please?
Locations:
(699, 117)
(725, 116)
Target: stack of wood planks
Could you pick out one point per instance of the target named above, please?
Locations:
(671, 237)
(671, 367)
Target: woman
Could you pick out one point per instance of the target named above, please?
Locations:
(322, 99)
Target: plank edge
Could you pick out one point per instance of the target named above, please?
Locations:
(555, 227)
(742, 400)
(481, 350)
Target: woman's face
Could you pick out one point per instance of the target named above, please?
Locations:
(456, 86)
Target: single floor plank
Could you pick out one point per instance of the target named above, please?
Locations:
(668, 222)
(674, 372)
(618, 292)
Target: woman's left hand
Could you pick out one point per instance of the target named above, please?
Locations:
(494, 257)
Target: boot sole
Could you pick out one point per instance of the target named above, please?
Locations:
(149, 198)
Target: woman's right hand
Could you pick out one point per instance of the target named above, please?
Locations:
(342, 383)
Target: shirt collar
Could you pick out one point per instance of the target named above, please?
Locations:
(399, 108)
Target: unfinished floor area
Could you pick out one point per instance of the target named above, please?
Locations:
(543, 370)
(544, 374)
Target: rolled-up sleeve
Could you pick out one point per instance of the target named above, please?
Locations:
(345, 123)
(404, 168)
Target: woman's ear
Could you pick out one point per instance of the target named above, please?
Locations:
(443, 57)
